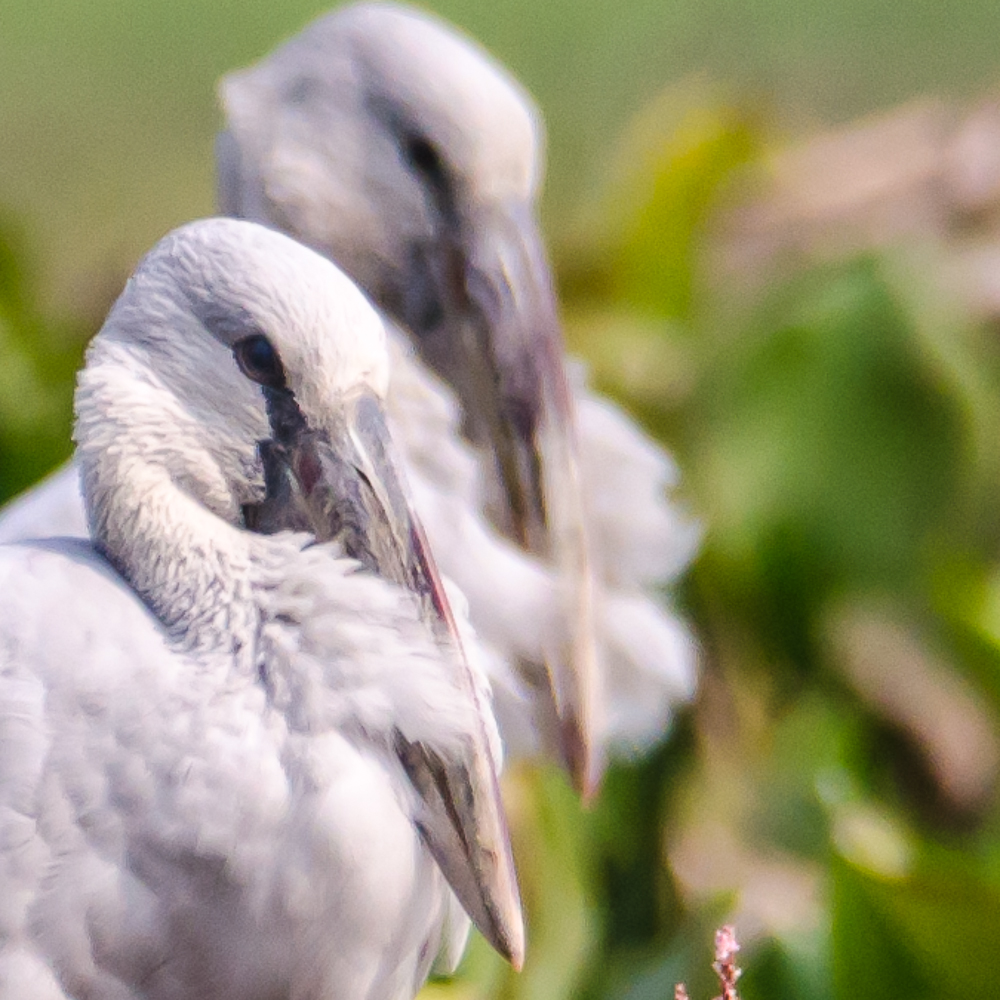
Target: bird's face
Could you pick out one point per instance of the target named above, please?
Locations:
(246, 339)
(293, 362)
(401, 151)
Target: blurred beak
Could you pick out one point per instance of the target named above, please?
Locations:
(345, 486)
(499, 344)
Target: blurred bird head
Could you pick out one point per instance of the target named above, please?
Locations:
(389, 142)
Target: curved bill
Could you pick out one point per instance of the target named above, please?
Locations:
(499, 345)
(346, 487)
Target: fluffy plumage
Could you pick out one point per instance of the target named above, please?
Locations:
(320, 143)
(200, 788)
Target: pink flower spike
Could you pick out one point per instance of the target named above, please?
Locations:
(726, 947)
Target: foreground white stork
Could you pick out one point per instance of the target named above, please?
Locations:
(397, 148)
(235, 765)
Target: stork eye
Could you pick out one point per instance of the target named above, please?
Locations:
(259, 361)
(422, 154)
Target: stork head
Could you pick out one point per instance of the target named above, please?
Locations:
(401, 150)
(241, 376)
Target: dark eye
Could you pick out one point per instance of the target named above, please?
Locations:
(259, 361)
(423, 156)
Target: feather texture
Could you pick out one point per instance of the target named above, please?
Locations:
(201, 788)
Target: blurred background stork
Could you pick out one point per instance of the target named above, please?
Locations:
(776, 231)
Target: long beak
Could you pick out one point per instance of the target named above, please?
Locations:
(349, 489)
(499, 344)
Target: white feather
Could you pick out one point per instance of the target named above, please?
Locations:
(199, 793)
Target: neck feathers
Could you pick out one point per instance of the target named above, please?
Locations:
(161, 509)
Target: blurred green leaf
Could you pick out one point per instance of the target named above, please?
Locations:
(930, 935)
(36, 377)
(676, 162)
(637, 242)
(827, 455)
(783, 970)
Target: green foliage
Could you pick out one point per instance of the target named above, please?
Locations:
(667, 179)
(926, 936)
(836, 432)
(36, 376)
(829, 455)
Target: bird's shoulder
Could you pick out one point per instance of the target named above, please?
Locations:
(53, 507)
(71, 636)
(63, 598)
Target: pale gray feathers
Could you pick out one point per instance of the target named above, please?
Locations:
(199, 791)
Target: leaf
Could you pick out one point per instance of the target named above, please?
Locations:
(932, 935)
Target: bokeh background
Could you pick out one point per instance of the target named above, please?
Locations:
(776, 229)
